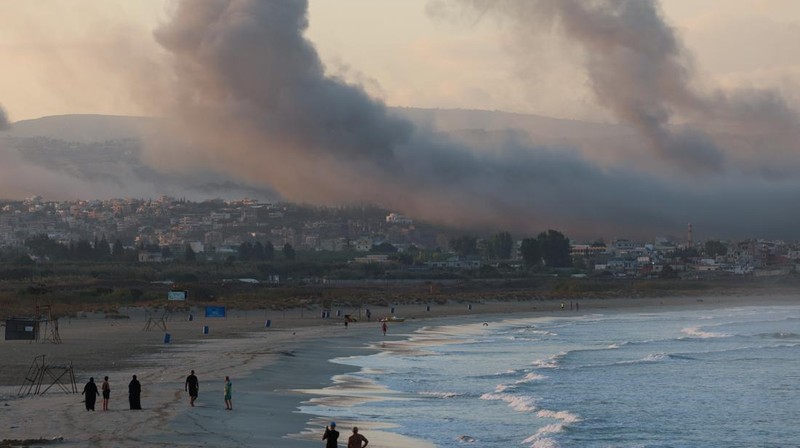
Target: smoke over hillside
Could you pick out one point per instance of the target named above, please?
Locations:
(3, 119)
(250, 97)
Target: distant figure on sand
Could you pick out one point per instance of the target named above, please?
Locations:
(106, 393)
(135, 393)
(384, 327)
(331, 435)
(192, 386)
(356, 440)
(90, 390)
(228, 396)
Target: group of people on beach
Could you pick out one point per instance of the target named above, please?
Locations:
(331, 437)
(91, 393)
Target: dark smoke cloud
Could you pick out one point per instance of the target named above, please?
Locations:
(4, 124)
(250, 97)
(639, 70)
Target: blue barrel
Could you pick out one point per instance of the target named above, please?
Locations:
(268, 324)
(205, 329)
(167, 338)
(338, 313)
(428, 308)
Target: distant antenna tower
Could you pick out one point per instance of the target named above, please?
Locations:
(689, 236)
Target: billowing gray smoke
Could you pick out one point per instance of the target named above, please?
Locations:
(638, 69)
(4, 125)
(250, 96)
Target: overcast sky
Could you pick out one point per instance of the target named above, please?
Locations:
(292, 96)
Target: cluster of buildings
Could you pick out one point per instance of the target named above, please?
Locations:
(217, 228)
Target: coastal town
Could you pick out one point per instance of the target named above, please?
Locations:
(169, 229)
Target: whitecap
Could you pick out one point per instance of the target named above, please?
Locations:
(518, 403)
(696, 332)
(440, 394)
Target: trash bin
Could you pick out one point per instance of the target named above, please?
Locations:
(205, 329)
(268, 324)
(167, 338)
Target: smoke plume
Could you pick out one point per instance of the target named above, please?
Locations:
(4, 125)
(250, 97)
(639, 70)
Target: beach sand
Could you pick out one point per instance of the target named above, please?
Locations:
(274, 370)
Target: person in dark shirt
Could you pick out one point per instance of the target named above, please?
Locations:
(192, 386)
(135, 393)
(331, 435)
(90, 390)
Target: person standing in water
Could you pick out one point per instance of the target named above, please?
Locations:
(192, 386)
(90, 390)
(331, 436)
(228, 394)
(106, 393)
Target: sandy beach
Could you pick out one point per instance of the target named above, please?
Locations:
(274, 370)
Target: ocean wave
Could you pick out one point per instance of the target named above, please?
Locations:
(541, 439)
(564, 416)
(516, 402)
(652, 357)
(779, 335)
(440, 394)
(530, 377)
(696, 332)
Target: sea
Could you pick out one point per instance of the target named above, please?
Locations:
(702, 377)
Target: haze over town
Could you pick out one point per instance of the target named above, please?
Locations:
(603, 118)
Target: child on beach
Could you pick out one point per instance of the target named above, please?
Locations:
(228, 396)
(106, 393)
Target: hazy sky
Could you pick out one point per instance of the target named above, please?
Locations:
(708, 93)
(73, 56)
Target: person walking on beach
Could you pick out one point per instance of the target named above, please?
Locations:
(384, 327)
(192, 386)
(331, 436)
(228, 396)
(135, 393)
(106, 393)
(356, 440)
(90, 390)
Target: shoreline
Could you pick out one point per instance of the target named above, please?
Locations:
(290, 357)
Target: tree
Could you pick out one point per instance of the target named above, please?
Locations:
(245, 251)
(501, 246)
(384, 248)
(166, 253)
(258, 251)
(668, 272)
(118, 251)
(189, 254)
(464, 245)
(531, 251)
(714, 248)
(555, 249)
(288, 252)
(269, 251)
